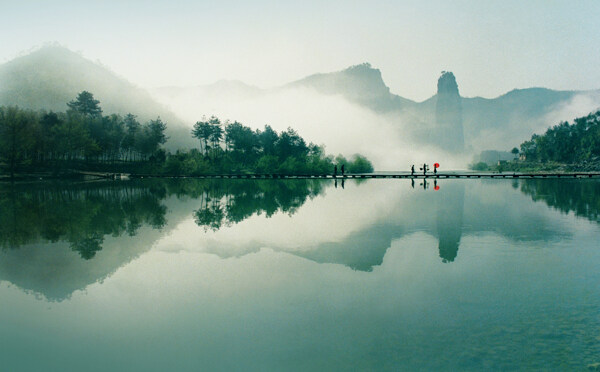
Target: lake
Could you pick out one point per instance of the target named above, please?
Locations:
(267, 275)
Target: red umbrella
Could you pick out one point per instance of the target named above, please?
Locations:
(436, 165)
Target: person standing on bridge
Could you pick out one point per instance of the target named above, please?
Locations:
(335, 170)
(412, 170)
(342, 170)
(424, 169)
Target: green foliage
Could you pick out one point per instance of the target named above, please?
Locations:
(86, 105)
(16, 140)
(239, 149)
(566, 143)
(360, 164)
(80, 137)
(357, 164)
(480, 166)
(83, 138)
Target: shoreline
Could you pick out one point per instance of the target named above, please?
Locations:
(95, 176)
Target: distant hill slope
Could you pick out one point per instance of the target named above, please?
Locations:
(361, 84)
(51, 76)
(487, 123)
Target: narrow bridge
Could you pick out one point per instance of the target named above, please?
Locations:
(406, 175)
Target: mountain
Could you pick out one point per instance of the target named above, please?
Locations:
(447, 120)
(361, 84)
(51, 76)
(451, 121)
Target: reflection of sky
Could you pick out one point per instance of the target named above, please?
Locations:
(379, 209)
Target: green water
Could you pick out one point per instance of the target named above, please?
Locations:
(308, 275)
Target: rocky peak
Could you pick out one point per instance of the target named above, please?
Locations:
(447, 84)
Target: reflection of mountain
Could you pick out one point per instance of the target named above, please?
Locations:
(449, 220)
(57, 239)
(460, 208)
(580, 196)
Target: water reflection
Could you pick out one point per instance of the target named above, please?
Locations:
(580, 196)
(223, 203)
(80, 214)
(84, 214)
(450, 220)
(519, 282)
(52, 236)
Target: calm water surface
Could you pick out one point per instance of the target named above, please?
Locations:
(300, 275)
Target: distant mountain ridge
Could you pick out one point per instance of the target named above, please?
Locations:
(51, 76)
(488, 123)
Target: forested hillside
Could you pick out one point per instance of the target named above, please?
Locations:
(575, 142)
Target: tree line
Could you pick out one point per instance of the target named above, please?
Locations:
(566, 143)
(82, 137)
(569, 146)
(231, 147)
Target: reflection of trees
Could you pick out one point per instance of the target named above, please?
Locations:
(79, 214)
(85, 214)
(226, 202)
(580, 196)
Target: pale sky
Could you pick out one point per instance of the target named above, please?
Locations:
(491, 46)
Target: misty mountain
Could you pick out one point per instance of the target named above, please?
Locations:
(350, 111)
(446, 120)
(49, 77)
(361, 84)
(486, 123)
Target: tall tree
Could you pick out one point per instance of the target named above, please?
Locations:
(86, 105)
(216, 132)
(132, 129)
(202, 131)
(268, 138)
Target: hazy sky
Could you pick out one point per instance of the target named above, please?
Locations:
(491, 46)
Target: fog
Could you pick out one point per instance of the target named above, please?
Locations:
(331, 120)
(578, 106)
(349, 111)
